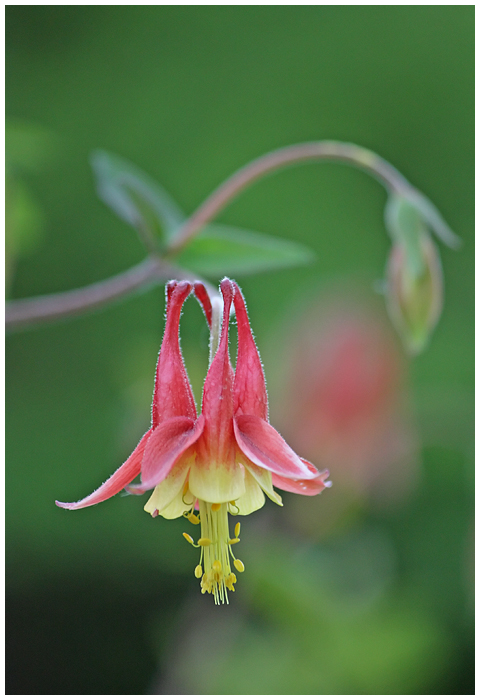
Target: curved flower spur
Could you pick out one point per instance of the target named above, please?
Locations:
(222, 462)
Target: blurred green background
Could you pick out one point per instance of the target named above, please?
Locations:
(361, 596)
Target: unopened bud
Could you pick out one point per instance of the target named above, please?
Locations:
(414, 294)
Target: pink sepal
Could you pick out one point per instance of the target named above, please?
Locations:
(310, 487)
(204, 300)
(123, 476)
(172, 395)
(250, 392)
(217, 402)
(166, 445)
(261, 443)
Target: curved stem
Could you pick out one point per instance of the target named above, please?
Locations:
(49, 307)
(319, 150)
(27, 312)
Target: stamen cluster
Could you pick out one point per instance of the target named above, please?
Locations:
(215, 544)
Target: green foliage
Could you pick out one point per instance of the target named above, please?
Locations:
(216, 251)
(135, 197)
(227, 250)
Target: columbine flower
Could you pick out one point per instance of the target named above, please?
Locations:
(224, 461)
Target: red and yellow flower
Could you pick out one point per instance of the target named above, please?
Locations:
(221, 462)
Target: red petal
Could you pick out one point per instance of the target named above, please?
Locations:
(166, 445)
(123, 476)
(217, 403)
(261, 443)
(204, 299)
(310, 487)
(172, 394)
(250, 392)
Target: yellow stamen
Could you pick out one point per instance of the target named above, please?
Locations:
(229, 581)
(215, 566)
(194, 519)
(188, 538)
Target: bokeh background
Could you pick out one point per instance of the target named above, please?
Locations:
(367, 588)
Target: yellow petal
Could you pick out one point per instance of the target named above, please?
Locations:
(181, 503)
(252, 499)
(169, 490)
(264, 479)
(217, 483)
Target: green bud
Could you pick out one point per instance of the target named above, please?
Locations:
(414, 299)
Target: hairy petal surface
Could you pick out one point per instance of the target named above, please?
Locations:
(172, 395)
(123, 476)
(205, 302)
(250, 392)
(263, 445)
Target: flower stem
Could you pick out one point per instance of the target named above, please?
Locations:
(320, 150)
(23, 313)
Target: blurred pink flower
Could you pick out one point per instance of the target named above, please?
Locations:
(344, 405)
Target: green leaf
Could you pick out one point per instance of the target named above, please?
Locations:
(135, 197)
(225, 250)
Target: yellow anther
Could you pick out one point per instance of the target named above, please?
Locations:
(185, 488)
(198, 571)
(232, 503)
(239, 565)
(229, 581)
(216, 506)
(216, 566)
(188, 538)
(237, 530)
(204, 542)
(234, 541)
(194, 519)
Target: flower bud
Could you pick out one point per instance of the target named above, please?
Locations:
(414, 294)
